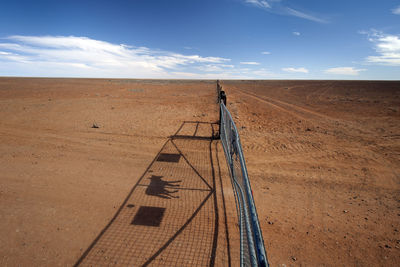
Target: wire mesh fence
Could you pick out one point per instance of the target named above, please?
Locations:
(252, 251)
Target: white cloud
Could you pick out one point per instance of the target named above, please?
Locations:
(387, 47)
(266, 53)
(214, 67)
(233, 73)
(259, 3)
(303, 15)
(249, 63)
(296, 33)
(275, 6)
(262, 73)
(344, 71)
(301, 70)
(396, 10)
(71, 56)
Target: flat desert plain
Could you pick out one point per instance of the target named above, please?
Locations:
(323, 159)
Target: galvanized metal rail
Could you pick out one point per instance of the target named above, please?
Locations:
(252, 250)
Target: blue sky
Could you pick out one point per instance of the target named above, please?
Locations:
(236, 39)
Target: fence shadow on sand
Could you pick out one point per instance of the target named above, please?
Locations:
(175, 215)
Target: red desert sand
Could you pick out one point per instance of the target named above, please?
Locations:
(81, 160)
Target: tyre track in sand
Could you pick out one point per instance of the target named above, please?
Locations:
(292, 109)
(343, 130)
(314, 117)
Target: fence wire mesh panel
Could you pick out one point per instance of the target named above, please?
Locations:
(252, 251)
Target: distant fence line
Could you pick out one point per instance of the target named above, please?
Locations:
(252, 250)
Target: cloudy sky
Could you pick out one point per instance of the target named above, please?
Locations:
(236, 39)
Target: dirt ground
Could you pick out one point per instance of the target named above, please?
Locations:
(324, 162)
(62, 181)
(323, 158)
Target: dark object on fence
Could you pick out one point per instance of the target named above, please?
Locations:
(221, 94)
(223, 97)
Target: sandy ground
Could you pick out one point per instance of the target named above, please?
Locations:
(62, 181)
(324, 162)
(323, 159)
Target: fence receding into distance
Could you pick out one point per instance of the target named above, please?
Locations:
(252, 250)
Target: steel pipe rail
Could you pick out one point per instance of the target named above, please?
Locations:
(252, 250)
